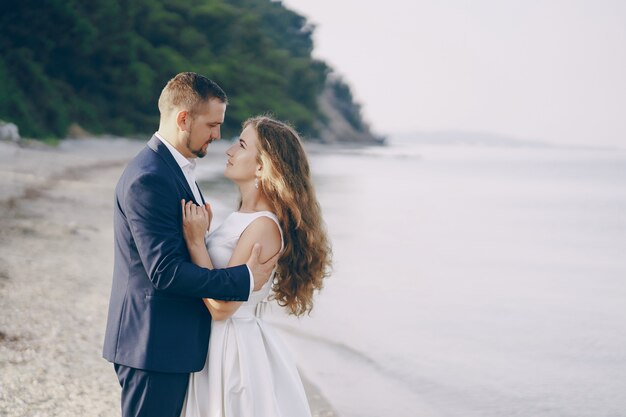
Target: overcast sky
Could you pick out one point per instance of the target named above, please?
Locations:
(550, 70)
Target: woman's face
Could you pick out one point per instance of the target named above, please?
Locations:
(242, 165)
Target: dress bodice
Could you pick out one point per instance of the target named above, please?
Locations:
(221, 244)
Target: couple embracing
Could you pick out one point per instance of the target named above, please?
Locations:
(182, 329)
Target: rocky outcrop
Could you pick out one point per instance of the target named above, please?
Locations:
(342, 120)
(9, 131)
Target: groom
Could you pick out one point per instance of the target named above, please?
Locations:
(158, 327)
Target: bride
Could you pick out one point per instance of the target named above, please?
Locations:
(248, 371)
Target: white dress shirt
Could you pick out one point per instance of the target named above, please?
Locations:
(188, 167)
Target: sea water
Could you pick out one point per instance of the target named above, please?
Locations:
(468, 280)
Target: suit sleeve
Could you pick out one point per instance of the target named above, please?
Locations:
(155, 217)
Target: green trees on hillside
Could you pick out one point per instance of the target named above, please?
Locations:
(102, 63)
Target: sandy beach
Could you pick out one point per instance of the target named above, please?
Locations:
(56, 258)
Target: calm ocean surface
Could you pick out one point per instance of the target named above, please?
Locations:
(468, 281)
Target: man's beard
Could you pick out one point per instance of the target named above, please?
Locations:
(197, 152)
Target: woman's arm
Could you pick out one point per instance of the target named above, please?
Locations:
(196, 222)
(262, 230)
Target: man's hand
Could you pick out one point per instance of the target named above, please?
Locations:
(260, 271)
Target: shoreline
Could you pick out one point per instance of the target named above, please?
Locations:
(56, 257)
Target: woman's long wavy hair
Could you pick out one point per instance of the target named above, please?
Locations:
(286, 182)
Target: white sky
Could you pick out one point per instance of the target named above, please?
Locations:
(551, 70)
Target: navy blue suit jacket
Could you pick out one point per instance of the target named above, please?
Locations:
(157, 320)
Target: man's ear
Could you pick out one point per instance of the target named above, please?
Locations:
(183, 120)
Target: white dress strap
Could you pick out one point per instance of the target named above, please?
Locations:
(269, 214)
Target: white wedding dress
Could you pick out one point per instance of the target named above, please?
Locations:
(249, 371)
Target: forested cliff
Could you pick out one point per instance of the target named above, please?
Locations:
(102, 64)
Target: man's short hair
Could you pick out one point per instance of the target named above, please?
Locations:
(188, 89)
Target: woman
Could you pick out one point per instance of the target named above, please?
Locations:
(248, 370)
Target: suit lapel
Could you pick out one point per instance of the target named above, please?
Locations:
(201, 196)
(157, 146)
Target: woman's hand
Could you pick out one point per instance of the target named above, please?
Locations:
(196, 222)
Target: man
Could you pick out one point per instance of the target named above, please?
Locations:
(158, 326)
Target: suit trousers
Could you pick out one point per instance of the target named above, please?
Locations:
(151, 394)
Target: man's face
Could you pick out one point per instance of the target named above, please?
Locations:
(204, 128)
